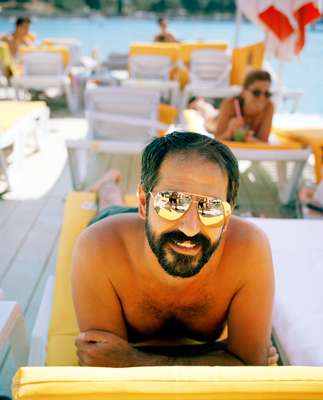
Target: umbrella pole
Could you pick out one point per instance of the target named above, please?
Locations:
(238, 25)
(280, 87)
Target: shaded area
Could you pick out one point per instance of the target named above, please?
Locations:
(258, 194)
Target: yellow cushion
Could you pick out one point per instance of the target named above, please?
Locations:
(79, 209)
(167, 115)
(168, 383)
(13, 111)
(264, 146)
(5, 57)
(170, 50)
(245, 58)
(48, 49)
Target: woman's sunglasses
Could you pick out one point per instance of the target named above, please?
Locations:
(172, 205)
(258, 93)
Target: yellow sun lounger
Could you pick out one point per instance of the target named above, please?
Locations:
(62, 379)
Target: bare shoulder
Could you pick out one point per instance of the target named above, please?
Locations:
(247, 245)
(227, 104)
(105, 242)
(243, 230)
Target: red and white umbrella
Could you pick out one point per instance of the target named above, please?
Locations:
(284, 21)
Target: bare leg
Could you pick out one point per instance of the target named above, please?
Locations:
(208, 112)
(107, 190)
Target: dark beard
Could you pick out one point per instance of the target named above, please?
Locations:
(180, 265)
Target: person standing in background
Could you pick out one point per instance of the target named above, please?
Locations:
(20, 37)
(164, 35)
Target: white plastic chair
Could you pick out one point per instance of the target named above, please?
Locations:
(73, 46)
(117, 61)
(150, 67)
(42, 71)
(209, 76)
(121, 120)
(153, 71)
(211, 66)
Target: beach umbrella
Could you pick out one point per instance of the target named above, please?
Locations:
(284, 22)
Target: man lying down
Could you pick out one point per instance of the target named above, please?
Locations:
(156, 285)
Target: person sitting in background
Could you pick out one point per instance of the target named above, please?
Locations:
(311, 199)
(245, 118)
(163, 35)
(20, 37)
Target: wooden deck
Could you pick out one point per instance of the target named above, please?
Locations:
(31, 216)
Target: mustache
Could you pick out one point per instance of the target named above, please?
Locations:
(179, 236)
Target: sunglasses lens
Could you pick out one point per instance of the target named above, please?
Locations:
(256, 92)
(213, 212)
(171, 205)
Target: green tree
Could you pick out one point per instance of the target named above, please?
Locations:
(70, 5)
(94, 4)
(212, 6)
(159, 6)
(192, 6)
(119, 7)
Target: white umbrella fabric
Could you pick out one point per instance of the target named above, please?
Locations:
(284, 22)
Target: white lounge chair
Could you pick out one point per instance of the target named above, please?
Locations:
(73, 46)
(121, 120)
(298, 313)
(210, 66)
(153, 71)
(43, 70)
(209, 76)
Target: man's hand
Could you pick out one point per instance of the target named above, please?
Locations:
(272, 355)
(103, 349)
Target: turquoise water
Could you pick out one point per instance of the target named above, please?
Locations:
(115, 34)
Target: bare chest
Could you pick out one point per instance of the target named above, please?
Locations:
(199, 319)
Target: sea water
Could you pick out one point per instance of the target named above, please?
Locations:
(115, 34)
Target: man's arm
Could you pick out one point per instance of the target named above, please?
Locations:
(96, 303)
(265, 128)
(104, 349)
(250, 313)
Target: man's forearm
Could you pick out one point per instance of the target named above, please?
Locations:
(219, 357)
(104, 349)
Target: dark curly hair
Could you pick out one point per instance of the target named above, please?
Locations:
(189, 143)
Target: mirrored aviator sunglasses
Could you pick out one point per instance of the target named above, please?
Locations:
(171, 206)
(258, 93)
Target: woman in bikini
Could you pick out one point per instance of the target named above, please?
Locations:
(247, 117)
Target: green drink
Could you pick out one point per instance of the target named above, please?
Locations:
(239, 135)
